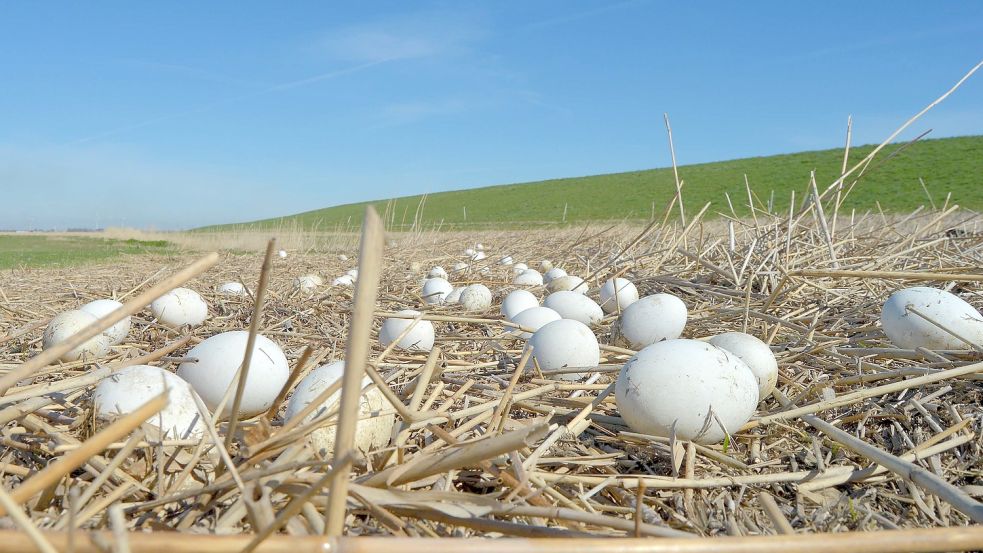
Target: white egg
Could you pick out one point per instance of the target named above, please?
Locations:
(437, 272)
(476, 297)
(518, 301)
(231, 289)
(755, 354)
(127, 390)
(507, 260)
(908, 330)
(478, 255)
(519, 268)
(686, 385)
(533, 318)
(545, 265)
(479, 247)
(618, 294)
(352, 273)
(469, 252)
(564, 344)
(283, 254)
(419, 338)
(64, 325)
(571, 305)
(372, 430)
(460, 267)
(568, 283)
(179, 307)
(218, 360)
(652, 319)
(343, 280)
(342, 257)
(435, 290)
(553, 273)
(100, 308)
(455, 295)
(485, 270)
(308, 283)
(529, 277)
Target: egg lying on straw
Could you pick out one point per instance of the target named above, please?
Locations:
(100, 308)
(231, 289)
(564, 344)
(533, 318)
(215, 362)
(553, 273)
(695, 389)
(372, 430)
(518, 301)
(343, 280)
(913, 318)
(567, 283)
(179, 307)
(460, 267)
(571, 305)
(342, 257)
(419, 338)
(652, 319)
(755, 354)
(506, 260)
(283, 254)
(435, 290)
(476, 297)
(127, 390)
(454, 296)
(617, 294)
(529, 277)
(519, 268)
(437, 272)
(63, 325)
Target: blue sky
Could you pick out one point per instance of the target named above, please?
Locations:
(156, 115)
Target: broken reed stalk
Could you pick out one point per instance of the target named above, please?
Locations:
(356, 357)
(242, 375)
(925, 479)
(72, 460)
(131, 307)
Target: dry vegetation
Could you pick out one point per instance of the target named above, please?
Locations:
(485, 451)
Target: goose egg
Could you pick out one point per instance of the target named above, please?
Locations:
(571, 305)
(64, 325)
(419, 338)
(100, 308)
(686, 386)
(755, 354)
(218, 360)
(372, 430)
(652, 319)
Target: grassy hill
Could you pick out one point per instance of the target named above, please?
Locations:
(946, 165)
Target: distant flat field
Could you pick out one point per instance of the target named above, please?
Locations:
(38, 250)
(890, 183)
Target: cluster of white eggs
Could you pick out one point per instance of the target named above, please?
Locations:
(700, 390)
(695, 389)
(310, 283)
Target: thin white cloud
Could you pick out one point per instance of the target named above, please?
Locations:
(205, 107)
(404, 113)
(404, 37)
